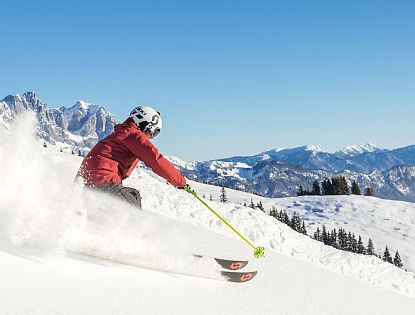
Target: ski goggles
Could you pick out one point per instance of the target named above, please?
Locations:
(152, 132)
(155, 133)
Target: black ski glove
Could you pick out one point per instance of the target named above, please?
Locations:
(186, 187)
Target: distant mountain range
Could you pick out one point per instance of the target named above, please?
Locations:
(274, 173)
(273, 178)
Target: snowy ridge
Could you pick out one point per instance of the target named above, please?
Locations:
(353, 150)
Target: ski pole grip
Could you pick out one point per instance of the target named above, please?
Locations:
(188, 189)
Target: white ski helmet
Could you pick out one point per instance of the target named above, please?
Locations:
(147, 119)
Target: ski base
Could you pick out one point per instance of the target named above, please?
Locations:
(237, 276)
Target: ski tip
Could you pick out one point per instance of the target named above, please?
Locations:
(238, 277)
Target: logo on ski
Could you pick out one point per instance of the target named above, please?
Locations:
(246, 277)
(236, 265)
(234, 276)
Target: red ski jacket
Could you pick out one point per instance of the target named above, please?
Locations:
(114, 158)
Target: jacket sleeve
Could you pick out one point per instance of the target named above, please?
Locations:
(145, 151)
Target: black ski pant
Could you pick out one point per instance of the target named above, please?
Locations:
(128, 194)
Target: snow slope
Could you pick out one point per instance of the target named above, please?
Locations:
(62, 248)
(386, 222)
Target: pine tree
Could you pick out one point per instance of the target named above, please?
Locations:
(387, 256)
(355, 188)
(317, 234)
(349, 242)
(368, 191)
(316, 188)
(281, 216)
(300, 191)
(273, 213)
(260, 206)
(303, 229)
(223, 197)
(333, 239)
(286, 218)
(370, 248)
(360, 247)
(397, 260)
(342, 236)
(326, 187)
(295, 223)
(343, 186)
(336, 185)
(324, 236)
(354, 243)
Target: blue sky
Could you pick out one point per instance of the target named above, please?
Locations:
(229, 77)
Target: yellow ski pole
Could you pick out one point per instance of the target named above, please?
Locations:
(258, 251)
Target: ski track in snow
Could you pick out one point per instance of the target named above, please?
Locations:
(46, 217)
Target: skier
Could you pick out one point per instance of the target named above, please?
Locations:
(113, 158)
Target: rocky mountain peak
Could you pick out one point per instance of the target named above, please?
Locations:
(80, 126)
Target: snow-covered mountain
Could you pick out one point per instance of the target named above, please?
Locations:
(274, 173)
(64, 250)
(279, 173)
(353, 150)
(355, 158)
(78, 127)
(277, 179)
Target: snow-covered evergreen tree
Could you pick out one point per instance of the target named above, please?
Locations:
(223, 197)
(355, 188)
(368, 191)
(303, 229)
(370, 248)
(397, 261)
(360, 247)
(324, 236)
(300, 191)
(295, 223)
(317, 234)
(316, 188)
(387, 256)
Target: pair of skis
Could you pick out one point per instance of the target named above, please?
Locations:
(231, 274)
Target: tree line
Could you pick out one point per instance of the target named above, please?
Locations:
(339, 239)
(347, 241)
(293, 222)
(337, 185)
